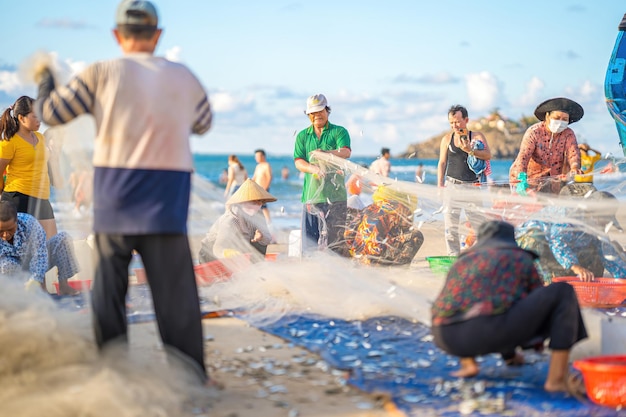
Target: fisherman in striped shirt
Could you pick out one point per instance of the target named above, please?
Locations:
(145, 107)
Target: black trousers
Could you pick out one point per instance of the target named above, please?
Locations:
(547, 312)
(329, 218)
(170, 274)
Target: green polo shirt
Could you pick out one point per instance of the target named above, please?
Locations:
(332, 187)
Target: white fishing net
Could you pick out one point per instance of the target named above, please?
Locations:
(51, 367)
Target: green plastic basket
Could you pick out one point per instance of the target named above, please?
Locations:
(440, 264)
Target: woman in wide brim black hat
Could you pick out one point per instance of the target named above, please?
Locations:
(574, 110)
(549, 149)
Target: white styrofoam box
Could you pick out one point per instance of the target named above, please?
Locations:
(295, 243)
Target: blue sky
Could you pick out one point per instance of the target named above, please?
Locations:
(390, 70)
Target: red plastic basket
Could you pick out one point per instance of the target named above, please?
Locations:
(605, 379)
(601, 292)
(206, 274)
(211, 272)
(77, 284)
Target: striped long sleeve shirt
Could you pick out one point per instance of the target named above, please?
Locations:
(145, 108)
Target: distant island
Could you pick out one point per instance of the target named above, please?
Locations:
(504, 136)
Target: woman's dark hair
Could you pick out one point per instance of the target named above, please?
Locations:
(9, 124)
(8, 211)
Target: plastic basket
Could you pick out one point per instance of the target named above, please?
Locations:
(605, 379)
(206, 274)
(601, 292)
(440, 264)
(77, 284)
(211, 272)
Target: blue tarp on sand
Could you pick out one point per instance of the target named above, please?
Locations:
(396, 357)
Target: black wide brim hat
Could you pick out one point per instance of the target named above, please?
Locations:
(573, 109)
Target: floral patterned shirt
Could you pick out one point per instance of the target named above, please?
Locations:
(484, 282)
(28, 251)
(565, 240)
(542, 155)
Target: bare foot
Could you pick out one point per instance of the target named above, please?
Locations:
(469, 368)
(573, 385)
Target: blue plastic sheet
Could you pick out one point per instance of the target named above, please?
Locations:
(397, 357)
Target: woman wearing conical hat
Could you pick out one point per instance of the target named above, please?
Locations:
(242, 228)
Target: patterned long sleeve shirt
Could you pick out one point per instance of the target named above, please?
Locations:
(567, 239)
(543, 154)
(28, 250)
(485, 282)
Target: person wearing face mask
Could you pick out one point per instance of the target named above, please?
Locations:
(241, 229)
(549, 149)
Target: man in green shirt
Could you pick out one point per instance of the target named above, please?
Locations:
(324, 192)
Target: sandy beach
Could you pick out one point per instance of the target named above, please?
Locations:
(261, 374)
(239, 354)
(265, 376)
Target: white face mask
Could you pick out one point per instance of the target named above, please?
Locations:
(557, 126)
(251, 208)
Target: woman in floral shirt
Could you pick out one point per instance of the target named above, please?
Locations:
(494, 300)
(549, 148)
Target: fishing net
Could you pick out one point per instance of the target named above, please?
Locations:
(376, 267)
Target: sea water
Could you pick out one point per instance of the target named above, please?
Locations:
(286, 212)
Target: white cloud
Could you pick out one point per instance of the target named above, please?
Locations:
(483, 91)
(174, 54)
(370, 115)
(226, 102)
(386, 134)
(587, 91)
(530, 98)
(9, 82)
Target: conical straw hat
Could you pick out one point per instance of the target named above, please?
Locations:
(250, 191)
